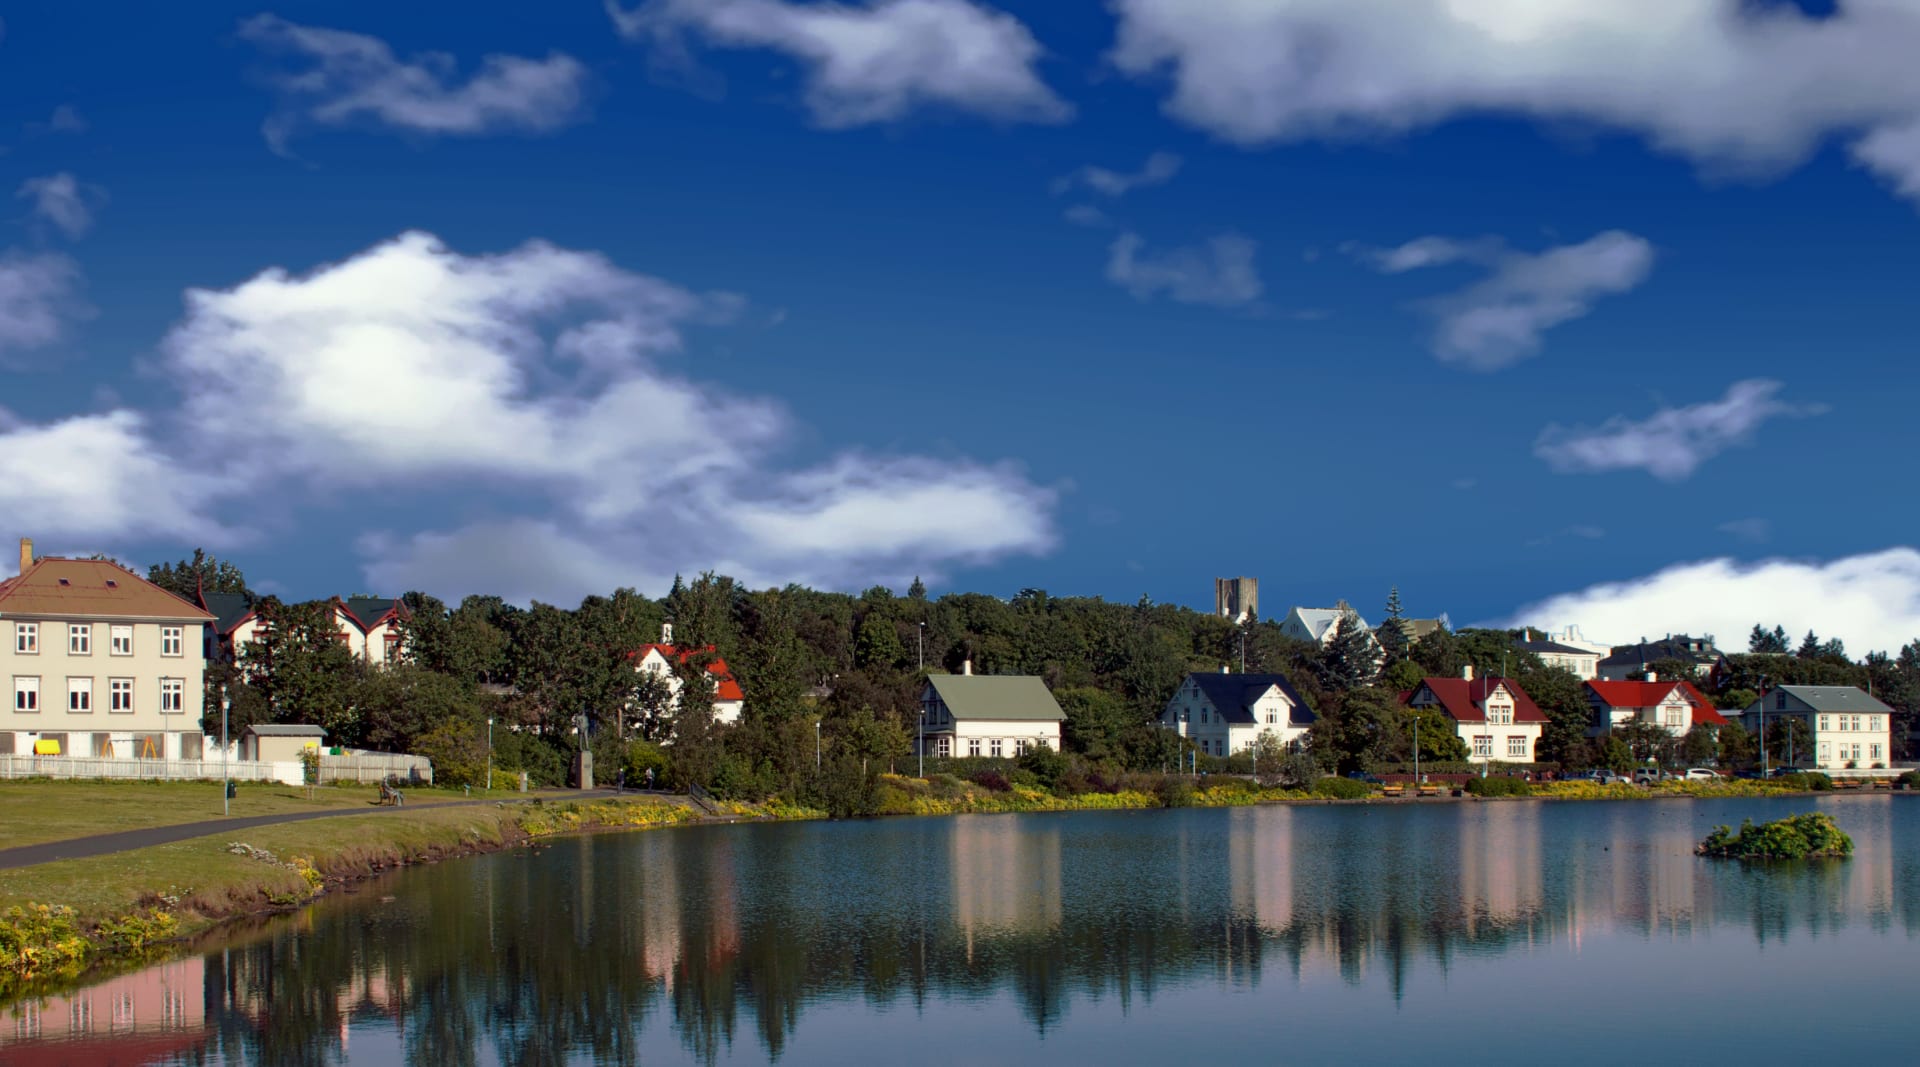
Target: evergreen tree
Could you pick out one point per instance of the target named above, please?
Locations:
(1393, 633)
(1809, 648)
(1764, 642)
(201, 573)
(1352, 659)
(918, 590)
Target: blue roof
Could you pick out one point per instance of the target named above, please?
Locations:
(1232, 694)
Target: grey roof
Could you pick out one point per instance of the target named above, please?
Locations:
(1837, 698)
(1233, 694)
(1319, 620)
(1008, 698)
(228, 608)
(286, 730)
(1666, 648)
(368, 609)
(1550, 648)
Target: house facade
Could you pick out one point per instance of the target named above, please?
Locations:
(1582, 663)
(1850, 729)
(1675, 706)
(1319, 625)
(970, 714)
(1627, 660)
(1226, 713)
(369, 626)
(661, 658)
(1496, 718)
(98, 661)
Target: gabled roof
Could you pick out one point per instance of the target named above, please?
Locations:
(1844, 698)
(1652, 694)
(371, 611)
(1233, 695)
(997, 697)
(1465, 701)
(229, 609)
(1552, 648)
(1319, 620)
(92, 588)
(725, 688)
(1675, 647)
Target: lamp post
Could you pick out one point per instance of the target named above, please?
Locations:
(226, 774)
(816, 746)
(1416, 754)
(1763, 726)
(489, 755)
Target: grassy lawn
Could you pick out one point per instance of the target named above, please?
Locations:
(33, 811)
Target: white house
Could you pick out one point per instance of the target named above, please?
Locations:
(1627, 660)
(373, 624)
(969, 714)
(1225, 713)
(660, 660)
(1677, 706)
(1850, 729)
(1319, 625)
(1582, 663)
(1495, 717)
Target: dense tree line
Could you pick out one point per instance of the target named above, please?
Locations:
(832, 681)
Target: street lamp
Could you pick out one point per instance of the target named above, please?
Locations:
(816, 746)
(489, 755)
(1416, 753)
(1763, 726)
(923, 742)
(226, 773)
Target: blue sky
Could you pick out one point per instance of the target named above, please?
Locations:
(1597, 314)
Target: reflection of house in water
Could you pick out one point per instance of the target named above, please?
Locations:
(1006, 877)
(1260, 862)
(1500, 879)
(135, 1018)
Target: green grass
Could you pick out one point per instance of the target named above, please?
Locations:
(39, 810)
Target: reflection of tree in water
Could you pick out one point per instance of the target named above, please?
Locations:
(580, 950)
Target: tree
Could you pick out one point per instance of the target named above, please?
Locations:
(301, 670)
(1672, 669)
(1700, 745)
(1811, 648)
(1097, 723)
(918, 590)
(1648, 741)
(1737, 748)
(1563, 699)
(878, 645)
(1353, 658)
(201, 573)
(1440, 740)
(1763, 642)
(1364, 731)
(1393, 633)
(1788, 740)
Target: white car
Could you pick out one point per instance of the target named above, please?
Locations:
(1701, 774)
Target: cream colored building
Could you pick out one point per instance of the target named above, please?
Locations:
(1496, 718)
(1226, 713)
(97, 661)
(987, 715)
(1851, 730)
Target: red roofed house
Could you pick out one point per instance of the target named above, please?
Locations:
(1496, 718)
(660, 660)
(1678, 706)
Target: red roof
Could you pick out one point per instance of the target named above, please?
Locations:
(1465, 701)
(725, 689)
(1651, 694)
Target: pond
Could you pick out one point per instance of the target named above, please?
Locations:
(1503, 932)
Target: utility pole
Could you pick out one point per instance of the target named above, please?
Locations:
(226, 772)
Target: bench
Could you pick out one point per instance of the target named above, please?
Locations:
(1848, 783)
(1429, 790)
(1394, 790)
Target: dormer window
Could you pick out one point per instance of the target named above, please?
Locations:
(1780, 701)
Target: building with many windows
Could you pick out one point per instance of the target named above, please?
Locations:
(1848, 729)
(968, 714)
(98, 661)
(1495, 717)
(1226, 713)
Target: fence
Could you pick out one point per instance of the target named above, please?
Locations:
(147, 770)
(374, 767)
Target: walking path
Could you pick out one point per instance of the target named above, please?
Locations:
(106, 844)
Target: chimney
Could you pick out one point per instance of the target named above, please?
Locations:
(26, 554)
(666, 633)
(966, 666)
(1467, 672)
(1652, 677)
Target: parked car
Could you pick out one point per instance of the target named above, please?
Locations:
(1611, 778)
(1782, 772)
(1363, 776)
(1647, 777)
(1702, 774)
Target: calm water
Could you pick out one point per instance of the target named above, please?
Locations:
(1508, 932)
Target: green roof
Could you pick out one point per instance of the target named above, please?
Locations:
(1007, 698)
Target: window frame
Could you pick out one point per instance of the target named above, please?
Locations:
(79, 639)
(116, 688)
(79, 691)
(1517, 746)
(177, 689)
(1483, 746)
(114, 634)
(28, 684)
(177, 637)
(26, 638)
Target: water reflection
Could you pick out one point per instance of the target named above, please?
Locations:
(718, 942)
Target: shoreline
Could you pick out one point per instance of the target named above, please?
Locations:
(51, 950)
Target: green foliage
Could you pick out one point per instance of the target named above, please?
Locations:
(1737, 746)
(40, 940)
(1176, 791)
(639, 757)
(1342, 789)
(1367, 727)
(1700, 745)
(1613, 754)
(1353, 656)
(201, 573)
(1046, 765)
(1499, 785)
(458, 749)
(1440, 740)
(1393, 634)
(1794, 837)
(1763, 642)
(297, 670)
(1806, 781)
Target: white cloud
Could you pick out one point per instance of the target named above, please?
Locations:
(874, 62)
(1499, 320)
(1159, 169)
(1872, 601)
(356, 78)
(37, 297)
(1220, 273)
(1087, 215)
(99, 476)
(1671, 443)
(532, 380)
(58, 199)
(1729, 84)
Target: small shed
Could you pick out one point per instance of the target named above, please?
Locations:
(279, 742)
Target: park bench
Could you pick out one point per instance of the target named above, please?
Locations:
(1393, 789)
(1429, 790)
(1848, 783)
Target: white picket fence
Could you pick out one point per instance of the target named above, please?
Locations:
(360, 767)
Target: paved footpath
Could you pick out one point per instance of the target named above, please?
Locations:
(106, 844)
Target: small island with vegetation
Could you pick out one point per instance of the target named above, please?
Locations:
(1808, 836)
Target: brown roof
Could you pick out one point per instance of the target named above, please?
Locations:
(92, 587)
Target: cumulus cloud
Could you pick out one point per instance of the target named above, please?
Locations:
(353, 78)
(100, 476)
(534, 380)
(58, 199)
(1159, 169)
(1730, 84)
(1671, 443)
(1220, 273)
(37, 298)
(873, 62)
(1500, 319)
(1872, 601)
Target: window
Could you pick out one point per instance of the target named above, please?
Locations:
(172, 695)
(26, 638)
(121, 638)
(1874, 724)
(973, 746)
(1020, 746)
(170, 641)
(80, 695)
(120, 694)
(79, 639)
(1272, 717)
(994, 747)
(1780, 701)
(6, 742)
(1670, 716)
(102, 745)
(1517, 747)
(1483, 746)
(148, 746)
(1823, 752)
(1873, 751)
(1824, 720)
(1500, 714)
(944, 747)
(26, 694)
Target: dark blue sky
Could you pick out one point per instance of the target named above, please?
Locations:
(949, 365)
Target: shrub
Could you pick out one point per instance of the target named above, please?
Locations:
(1175, 791)
(1231, 786)
(1794, 837)
(1046, 765)
(993, 780)
(638, 758)
(1909, 780)
(1342, 789)
(1499, 785)
(1026, 778)
(1806, 780)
